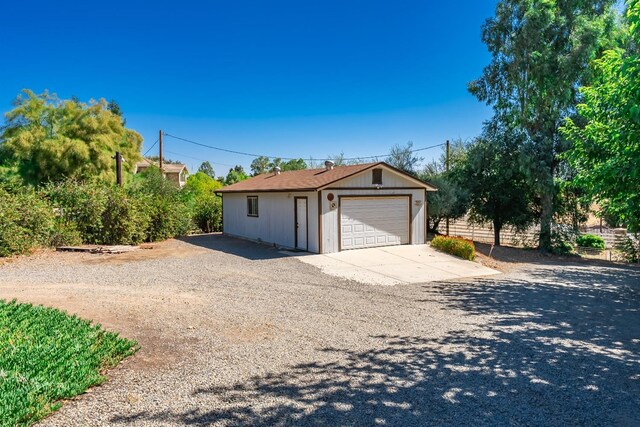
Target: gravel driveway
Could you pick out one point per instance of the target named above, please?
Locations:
(237, 334)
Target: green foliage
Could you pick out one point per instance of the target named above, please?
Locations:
(606, 135)
(201, 184)
(629, 248)
(27, 222)
(207, 213)
(451, 200)
(167, 212)
(540, 54)
(561, 238)
(403, 158)
(492, 175)
(48, 139)
(47, 356)
(236, 174)
(457, 246)
(263, 164)
(205, 206)
(590, 241)
(207, 169)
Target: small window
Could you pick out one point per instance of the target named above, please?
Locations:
(377, 177)
(252, 205)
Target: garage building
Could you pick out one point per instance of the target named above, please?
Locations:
(328, 210)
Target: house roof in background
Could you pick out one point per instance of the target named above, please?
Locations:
(166, 167)
(308, 179)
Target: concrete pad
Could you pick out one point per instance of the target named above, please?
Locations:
(393, 265)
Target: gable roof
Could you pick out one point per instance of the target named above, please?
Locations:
(309, 179)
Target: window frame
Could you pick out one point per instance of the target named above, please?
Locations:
(374, 172)
(249, 205)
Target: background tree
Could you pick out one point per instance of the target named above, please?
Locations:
(259, 165)
(165, 160)
(403, 158)
(114, 107)
(540, 53)
(498, 188)
(606, 149)
(207, 169)
(294, 165)
(48, 139)
(451, 200)
(236, 174)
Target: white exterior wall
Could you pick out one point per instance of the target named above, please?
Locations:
(330, 216)
(363, 180)
(275, 221)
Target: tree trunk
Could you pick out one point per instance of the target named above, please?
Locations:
(546, 215)
(497, 228)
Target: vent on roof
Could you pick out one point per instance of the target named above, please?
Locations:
(276, 170)
(329, 165)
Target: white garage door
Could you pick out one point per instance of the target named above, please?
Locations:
(367, 222)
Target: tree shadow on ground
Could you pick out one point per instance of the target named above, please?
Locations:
(558, 348)
(243, 248)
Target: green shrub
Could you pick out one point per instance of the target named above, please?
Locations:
(164, 205)
(629, 248)
(83, 205)
(457, 246)
(124, 219)
(207, 214)
(48, 355)
(590, 241)
(28, 221)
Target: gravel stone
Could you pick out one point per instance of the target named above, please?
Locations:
(233, 333)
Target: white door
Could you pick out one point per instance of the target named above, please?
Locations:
(367, 222)
(301, 223)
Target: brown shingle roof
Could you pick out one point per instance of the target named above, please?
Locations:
(302, 180)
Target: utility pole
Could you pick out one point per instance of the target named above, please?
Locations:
(118, 158)
(160, 157)
(446, 167)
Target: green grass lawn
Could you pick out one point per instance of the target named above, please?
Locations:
(47, 355)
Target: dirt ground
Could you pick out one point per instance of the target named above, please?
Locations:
(234, 333)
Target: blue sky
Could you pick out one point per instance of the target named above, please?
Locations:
(289, 78)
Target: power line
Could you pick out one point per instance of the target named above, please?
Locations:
(150, 148)
(292, 158)
(197, 158)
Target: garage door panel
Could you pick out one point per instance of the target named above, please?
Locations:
(374, 221)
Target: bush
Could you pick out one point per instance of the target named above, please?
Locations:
(28, 221)
(104, 214)
(207, 214)
(629, 248)
(457, 246)
(167, 210)
(590, 241)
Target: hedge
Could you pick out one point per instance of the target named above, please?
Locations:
(457, 246)
(590, 241)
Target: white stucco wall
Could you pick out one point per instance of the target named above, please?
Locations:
(275, 223)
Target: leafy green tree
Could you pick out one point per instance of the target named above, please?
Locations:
(403, 158)
(165, 160)
(294, 165)
(540, 53)
(498, 188)
(606, 149)
(236, 174)
(259, 165)
(48, 139)
(451, 200)
(207, 169)
(200, 184)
